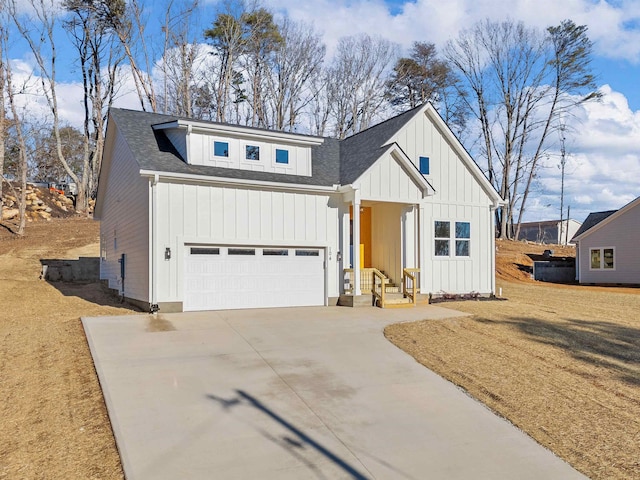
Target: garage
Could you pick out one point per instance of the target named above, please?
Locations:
(219, 277)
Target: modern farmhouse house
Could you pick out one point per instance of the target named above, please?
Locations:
(198, 215)
(607, 246)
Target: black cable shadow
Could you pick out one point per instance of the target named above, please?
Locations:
(301, 437)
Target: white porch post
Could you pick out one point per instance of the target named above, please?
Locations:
(356, 243)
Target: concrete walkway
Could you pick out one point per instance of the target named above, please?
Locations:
(295, 393)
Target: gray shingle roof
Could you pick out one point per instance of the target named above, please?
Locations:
(592, 220)
(334, 162)
(360, 151)
(153, 151)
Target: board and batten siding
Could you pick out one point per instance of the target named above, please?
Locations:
(386, 180)
(217, 215)
(458, 197)
(124, 225)
(201, 149)
(621, 233)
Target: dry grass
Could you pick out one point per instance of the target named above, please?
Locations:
(561, 362)
(53, 419)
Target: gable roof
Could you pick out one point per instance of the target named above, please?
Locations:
(597, 220)
(335, 162)
(358, 152)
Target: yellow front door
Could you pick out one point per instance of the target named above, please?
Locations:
(365, 235)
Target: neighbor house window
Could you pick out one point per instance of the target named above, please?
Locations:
(253, 152)
(282, 156)
(463, 235)
(424, 165)
(460, 237)
(221, 149)
(442, 237)
(602, 258)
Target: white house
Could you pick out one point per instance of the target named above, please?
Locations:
(558, 232)
(199, 215)
(607, 246)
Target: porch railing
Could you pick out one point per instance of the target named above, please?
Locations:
(410, 284)
(366, 280)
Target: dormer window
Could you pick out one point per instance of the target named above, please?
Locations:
(253, 152)
(282, 156)
(221, 149)
(424, 165)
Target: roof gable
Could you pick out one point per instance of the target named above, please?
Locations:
(393, 176)
(597, 220)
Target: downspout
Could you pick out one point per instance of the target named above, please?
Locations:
(153, 307)
(492, 241)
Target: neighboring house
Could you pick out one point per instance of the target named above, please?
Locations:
(549, 231)
(607, 246)
(198, 215)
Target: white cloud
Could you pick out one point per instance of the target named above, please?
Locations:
(603, 161)
(614, 28)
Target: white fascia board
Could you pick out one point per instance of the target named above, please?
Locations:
(464, 155)
(396, 152)
(237, 130)
(226, 181)
(609, 219)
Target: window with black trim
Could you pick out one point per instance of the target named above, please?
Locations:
(221, 149)
(253, 152)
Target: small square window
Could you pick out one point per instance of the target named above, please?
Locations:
(253, 152)
(282, 156)
(221, 149)
(424, 165)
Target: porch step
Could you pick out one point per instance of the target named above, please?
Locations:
(392, 288)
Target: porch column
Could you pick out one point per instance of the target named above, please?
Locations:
(356, 244)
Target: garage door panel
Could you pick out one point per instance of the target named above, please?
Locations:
(227, 278)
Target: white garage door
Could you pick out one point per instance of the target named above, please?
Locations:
(221, 277)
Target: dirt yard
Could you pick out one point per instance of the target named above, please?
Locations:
(561, 362)
(53, 421)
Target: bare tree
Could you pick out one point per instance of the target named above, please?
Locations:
(92, 35)
(181, 51)
(21, 149)
(355, 82)
(515, 96)
(129, 23)
(297, 63)
(39, 33)
(3, 113)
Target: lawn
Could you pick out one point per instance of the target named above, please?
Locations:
(560, 362)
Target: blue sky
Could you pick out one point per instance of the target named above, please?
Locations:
(603, 167)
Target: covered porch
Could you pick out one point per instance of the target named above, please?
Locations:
(383, 261)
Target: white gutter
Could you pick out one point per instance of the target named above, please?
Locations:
(236, 181)
(154, 233)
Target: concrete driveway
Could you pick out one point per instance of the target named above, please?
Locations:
(295, 393)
